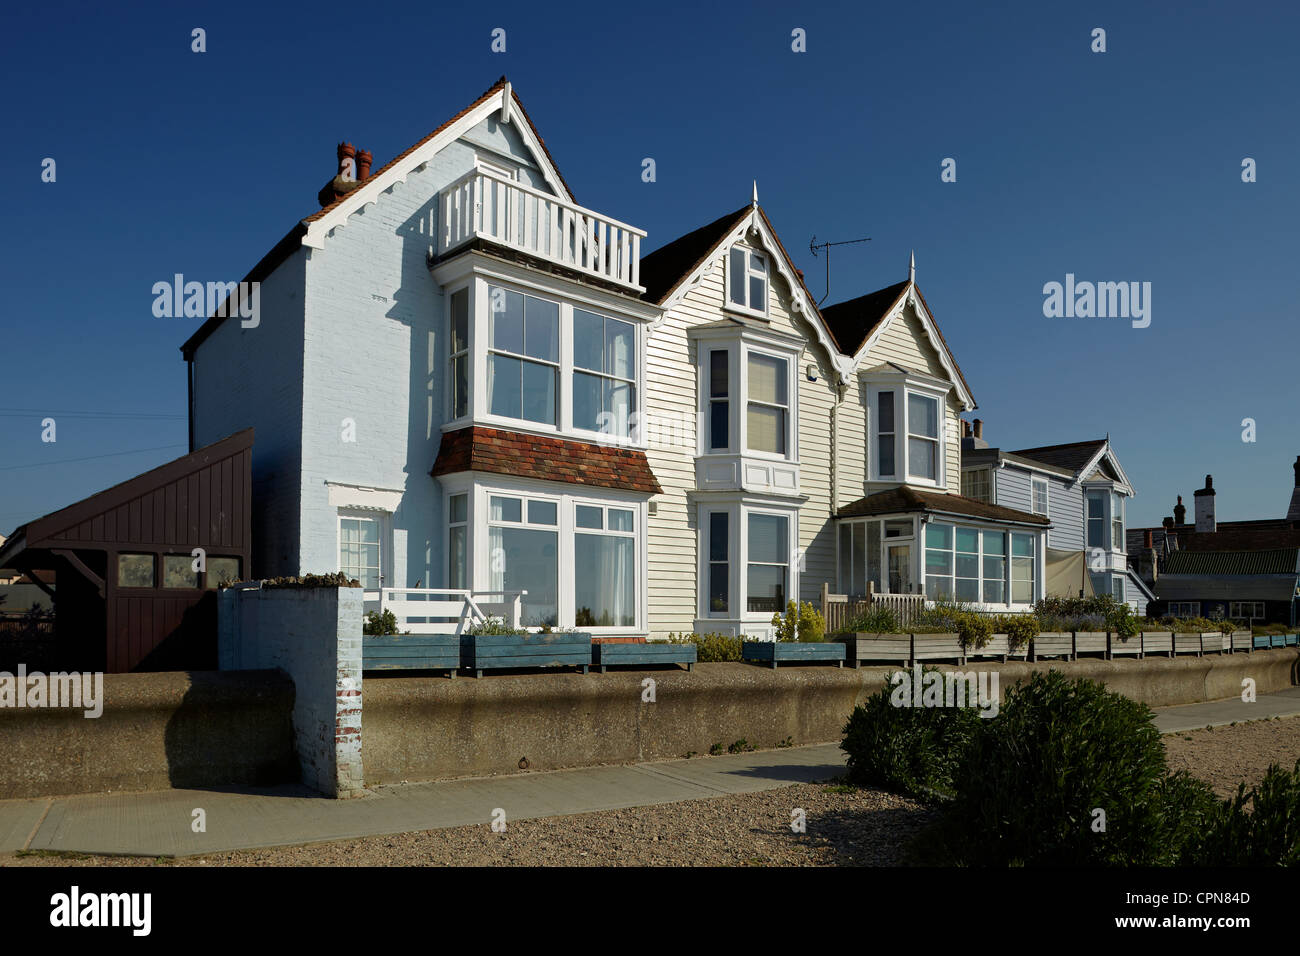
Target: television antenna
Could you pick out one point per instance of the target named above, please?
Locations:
(814, 245)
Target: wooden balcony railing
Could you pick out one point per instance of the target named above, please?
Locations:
(482, 205)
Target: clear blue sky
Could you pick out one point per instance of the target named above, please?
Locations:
(1119, 166)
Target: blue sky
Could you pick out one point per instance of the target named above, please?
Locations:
(1115, 166)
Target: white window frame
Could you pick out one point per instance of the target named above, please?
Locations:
(1184, 609)
(738, 349)
(480, 348)
(467, 353)
(1034, 485)
(384, 533)
(738, 514)
(750, 254)
(481, 490)
(1036, 579)
(902, 428)
(1116, 516)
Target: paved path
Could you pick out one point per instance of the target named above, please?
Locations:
(158, 823)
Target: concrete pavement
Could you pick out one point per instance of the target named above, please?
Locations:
(159, 823)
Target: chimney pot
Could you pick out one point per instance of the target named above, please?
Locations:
(364, 160)
(965, 429)
(347, 154)
(979, 428)
(1148, 539)
(1180, 512)
(1167, 523)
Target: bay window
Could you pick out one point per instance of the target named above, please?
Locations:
(1096, 503)
(604, 567)
(523, 361)
(719, 400)
(969, 565)
(604, 373)
(922, 436)
(906, 432)
(1117, 522)
(769, 561)
(576, 556)
(719, 597)
(768, 406)
(523, 555)
(458, 373)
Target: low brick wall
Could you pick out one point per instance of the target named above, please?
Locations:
(419, 728)
(202, 729)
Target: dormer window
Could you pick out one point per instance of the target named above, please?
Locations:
(747, 281)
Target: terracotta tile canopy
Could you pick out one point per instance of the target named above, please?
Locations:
(493, 450)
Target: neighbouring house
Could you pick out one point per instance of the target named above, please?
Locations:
(1242, 570)
(462, 379)
(1083, 489)
(129, 591)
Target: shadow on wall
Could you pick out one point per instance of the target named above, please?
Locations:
(232, 728)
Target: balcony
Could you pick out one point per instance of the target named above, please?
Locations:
(483, 206)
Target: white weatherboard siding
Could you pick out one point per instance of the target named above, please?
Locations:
(252, 377)
(672, 396)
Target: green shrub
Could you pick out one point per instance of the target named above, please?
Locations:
(711, 648)
(812, 626)
(1267, 835)
(1122, 622)
(493, 626)
(335, 579)
(975, 629)
(1019, 629)
(1028, 784)
(876, 619)
(377, 623)
(909, 750)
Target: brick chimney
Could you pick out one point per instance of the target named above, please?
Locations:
(979, 428)
(965, 429)
(1205, 506)
(345, 178)
(1293, 512)
(1148, 539)
(1180, 512)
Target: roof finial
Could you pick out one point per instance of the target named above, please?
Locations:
(506, 95)
(755, 192)
(911, 268)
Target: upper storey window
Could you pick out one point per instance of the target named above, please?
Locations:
(747, 398)
(747, 280)
(905, 432)
(524, 364)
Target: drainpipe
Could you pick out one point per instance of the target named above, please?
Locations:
(189, 398)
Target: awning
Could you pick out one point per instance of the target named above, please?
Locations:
(1067, 574)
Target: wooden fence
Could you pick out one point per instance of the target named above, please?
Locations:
(837, 609)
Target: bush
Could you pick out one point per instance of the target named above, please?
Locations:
(1019, 629)
(377, 623)
(711, 648)
(812, 626)
(876, 619)
(493, 626)
(909, 750)
(1122, 622)
(335, 580)
(1267, 835)
(1029, 781)
(975, 629)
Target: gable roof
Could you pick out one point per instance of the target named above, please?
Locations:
(865, 318)
(1073, 456)
(665, 268)
(678, 265)
(853, 321)
(311, 230)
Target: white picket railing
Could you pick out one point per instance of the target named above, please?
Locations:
(483, 205)
(448, 611)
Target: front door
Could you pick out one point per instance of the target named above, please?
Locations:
(900, 568)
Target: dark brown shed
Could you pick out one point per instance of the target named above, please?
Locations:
(127, 595)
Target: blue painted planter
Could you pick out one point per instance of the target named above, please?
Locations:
(1292, 640)
(1262, 641)
(410, 652)
(1278, 640)
(498, 651)
(793, 652)
(611, 655)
